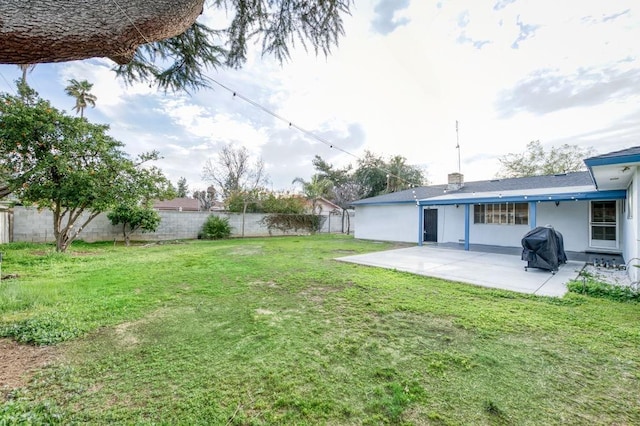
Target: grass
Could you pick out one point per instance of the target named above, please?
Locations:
(274, 331)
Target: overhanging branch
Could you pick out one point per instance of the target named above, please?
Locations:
(37, 31)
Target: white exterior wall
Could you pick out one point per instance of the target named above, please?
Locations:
(497, 235)
(571, 219)
(630, 227)
(397, 222)
(450, 224)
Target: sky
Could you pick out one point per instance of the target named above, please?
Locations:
(507, 71)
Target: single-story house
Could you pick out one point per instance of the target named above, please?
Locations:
(325, 207)
(596, 210)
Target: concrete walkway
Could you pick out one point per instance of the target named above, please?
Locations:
(503, 271)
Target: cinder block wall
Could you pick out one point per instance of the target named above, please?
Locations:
(31, 225)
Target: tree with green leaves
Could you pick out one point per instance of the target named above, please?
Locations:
(535, 161)
(378, 176)
(345, 190)
(183, 188)
(371, 174)
(134, 217)
(315, 189)
(67, 165)
(80, 90)
(161, 42)
(401, 176)
(326, 170)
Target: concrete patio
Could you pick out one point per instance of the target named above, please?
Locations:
(493, 270)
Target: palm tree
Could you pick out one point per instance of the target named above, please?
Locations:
(80, 91)
(26, 69)
(315, 189)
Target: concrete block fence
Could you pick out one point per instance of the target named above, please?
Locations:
(31, 225)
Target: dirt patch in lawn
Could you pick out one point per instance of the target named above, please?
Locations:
(19, 362)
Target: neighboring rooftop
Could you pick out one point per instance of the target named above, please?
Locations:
(178, 204)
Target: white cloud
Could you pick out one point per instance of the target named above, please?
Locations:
(399, 93)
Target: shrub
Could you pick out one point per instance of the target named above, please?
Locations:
(293, 222)
(587, 284)
(215, 228)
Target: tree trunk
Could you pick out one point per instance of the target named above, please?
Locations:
(126, 234)
(35, 31)
(4, 191)
(244, 212)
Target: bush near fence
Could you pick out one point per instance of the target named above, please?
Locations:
(31, 225)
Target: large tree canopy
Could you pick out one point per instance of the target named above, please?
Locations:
(535, 161)
(159, 40)
(68, 165)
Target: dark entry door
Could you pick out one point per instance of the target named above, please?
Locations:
(430, 225)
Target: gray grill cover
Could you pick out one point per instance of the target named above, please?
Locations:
(543, 247)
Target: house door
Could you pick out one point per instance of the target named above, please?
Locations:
(430, 225)
(603, 224)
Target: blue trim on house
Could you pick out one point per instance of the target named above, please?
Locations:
(533, 213)
(384, 203)
(569, 196)
(420, 224)
(467, 209)
(606, 161)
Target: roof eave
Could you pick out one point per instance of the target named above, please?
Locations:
(568, 196)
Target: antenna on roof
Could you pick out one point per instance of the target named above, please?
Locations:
(458, 146)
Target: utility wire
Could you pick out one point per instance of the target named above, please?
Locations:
(272, 113)
(308, 133)
(279, 117)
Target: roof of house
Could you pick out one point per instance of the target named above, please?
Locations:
(181, 204)
(565, 180)
(329, 203)
(613, 169)
(628, 152)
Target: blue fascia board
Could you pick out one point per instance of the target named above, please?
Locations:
(596, 162)
(570, 196)
(384, 203)
(593, 177)
(593, 162)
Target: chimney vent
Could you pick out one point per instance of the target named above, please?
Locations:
(455, 181)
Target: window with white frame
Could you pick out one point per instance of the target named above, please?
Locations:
(501, 213)
(603, 220)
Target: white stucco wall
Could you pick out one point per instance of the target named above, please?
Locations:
(497, 235)
(630, 227)
(397, 222)
(450, 224)
(571, 219)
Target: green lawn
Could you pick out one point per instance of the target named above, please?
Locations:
(274, 331)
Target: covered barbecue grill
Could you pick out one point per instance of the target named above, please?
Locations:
(543, 248)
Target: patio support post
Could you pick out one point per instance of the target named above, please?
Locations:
(533, 212)
(467, 209)
(420, 223)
